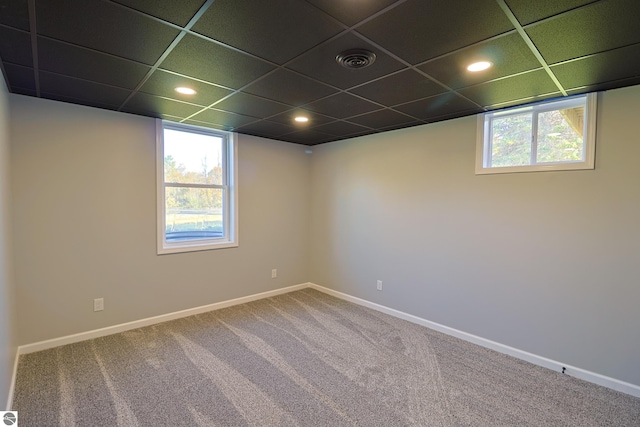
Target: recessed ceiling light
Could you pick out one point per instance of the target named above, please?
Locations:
(301, 119)
(479, 66)
(185, 90)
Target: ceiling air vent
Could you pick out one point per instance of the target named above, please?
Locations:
(356, 58)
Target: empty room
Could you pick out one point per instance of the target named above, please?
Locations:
(319, 212)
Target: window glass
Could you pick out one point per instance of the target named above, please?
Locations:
(511, 140)
(192, 157)
(555, 135)
(193, 213)
(196, 193)
(560, 137)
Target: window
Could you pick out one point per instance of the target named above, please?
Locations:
(197, 207)
(556, 135)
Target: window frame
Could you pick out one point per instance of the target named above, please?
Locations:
(484, 137)
(229, 187)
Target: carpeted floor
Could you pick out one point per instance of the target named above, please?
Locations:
(301, 359)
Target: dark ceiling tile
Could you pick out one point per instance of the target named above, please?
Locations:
(22, 91)
(351, 12)
(74, 61)
(155, 106)
(342, 105)
(341, 128)
(265, 128)
(401, 126)
(436, 106)
(418, 30)
(307, 137)
(15, 13)
(81, 90)
(229, 120)
(288, 117)
(207, 125)
(455, 115)
(15, 47)
(402, 87)
(602, 26)
(208, 61)
(608, 66)
(171, 118)
(85, 102)
(162, 83)
(321, 63)
(527, 11)
(356, 135)
(258, 27)
(20, 76)
(509, 55)
(525, 85)
(243, 103)
(176, 12)
(595, 46)
(289, 88)
(382, 119)
(615, 84)
(524, 101)
(105, 27)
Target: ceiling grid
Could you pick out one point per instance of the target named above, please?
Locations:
(257, 65)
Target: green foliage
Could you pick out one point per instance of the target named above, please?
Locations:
(511, 144)
(557, 140)
(512, 140)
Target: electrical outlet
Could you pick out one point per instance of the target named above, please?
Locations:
(274, 273)
(98, 304)
(379, 285)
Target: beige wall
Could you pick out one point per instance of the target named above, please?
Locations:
(7, 314)
(544, 262)
(84, 199)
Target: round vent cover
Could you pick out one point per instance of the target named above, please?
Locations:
(356, 58)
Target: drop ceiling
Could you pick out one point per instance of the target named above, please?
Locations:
(256, 64)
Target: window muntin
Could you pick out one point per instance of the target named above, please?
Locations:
(196, 193)
(556, 135)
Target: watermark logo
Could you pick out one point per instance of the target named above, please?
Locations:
(9, 418)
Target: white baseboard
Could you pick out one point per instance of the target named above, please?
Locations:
(582, 374)
(12, 386)
(109, 330)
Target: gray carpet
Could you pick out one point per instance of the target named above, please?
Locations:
(301, 359)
